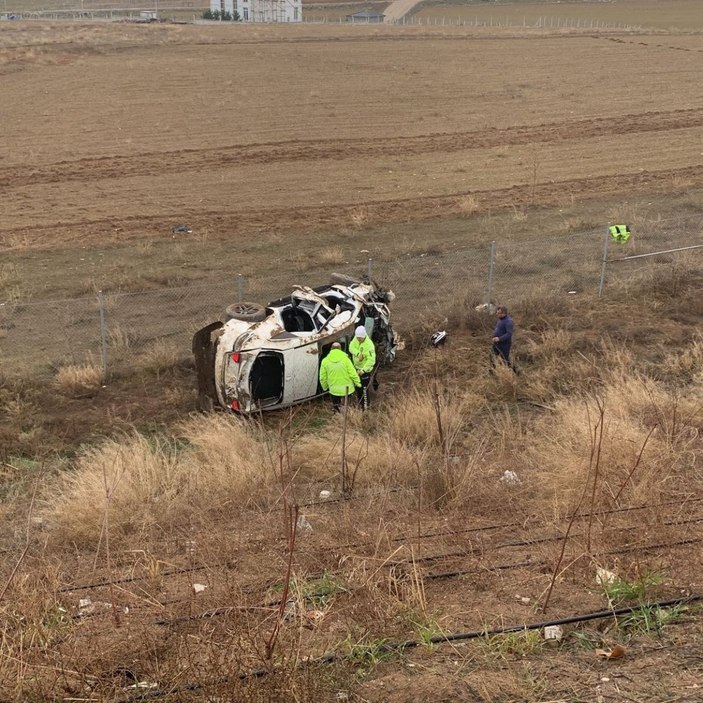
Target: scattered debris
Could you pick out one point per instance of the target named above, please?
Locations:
(605, 577)
(490, 308)
(190, 547)
(303, 523)
(553, 632)
(199, 587)
(143, 685)
(615, 652)
(510, 477)
(523, 599)
(181, 229)
(438, 338)
(87, 607)
(314, 617)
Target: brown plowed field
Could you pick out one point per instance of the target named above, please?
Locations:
(115, 132)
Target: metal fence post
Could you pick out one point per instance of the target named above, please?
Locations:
(103, 333)
(491, 268)
(369, 267)
(603, 263)
(240, 288)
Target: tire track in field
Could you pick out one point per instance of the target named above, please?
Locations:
(192, 160)
(234, 223)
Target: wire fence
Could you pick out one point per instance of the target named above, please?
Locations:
(138, 9)
(119, 331)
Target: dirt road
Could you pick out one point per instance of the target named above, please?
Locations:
(398, 9)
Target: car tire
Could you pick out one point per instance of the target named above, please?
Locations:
(246, 312)
(343, 279)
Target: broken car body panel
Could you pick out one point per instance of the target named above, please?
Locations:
(274, 363)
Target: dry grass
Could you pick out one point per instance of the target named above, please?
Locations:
(143, 484)
(119, 340)
(468, 204)
(333, 256)
(159, 356)
(360, 217)
(78, 380)
(642, 453)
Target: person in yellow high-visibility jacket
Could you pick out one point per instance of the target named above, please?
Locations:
(363, 354)
(338, 376)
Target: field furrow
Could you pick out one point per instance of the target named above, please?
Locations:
(156, 163)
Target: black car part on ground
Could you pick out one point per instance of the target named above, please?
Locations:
(204, 353)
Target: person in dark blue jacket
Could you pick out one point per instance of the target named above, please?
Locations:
(503, 336)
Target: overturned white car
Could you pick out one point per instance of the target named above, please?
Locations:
(269, 357)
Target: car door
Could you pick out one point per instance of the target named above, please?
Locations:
(301, 373)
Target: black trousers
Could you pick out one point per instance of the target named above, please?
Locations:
(337, 402)
(501, 352)
(362, 393)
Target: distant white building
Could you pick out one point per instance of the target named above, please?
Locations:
(261, 10)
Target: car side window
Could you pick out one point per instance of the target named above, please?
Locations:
(296, 319)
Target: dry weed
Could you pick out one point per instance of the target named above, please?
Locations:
(119, 339)
(637, 458)
(333, 256)
(550, 343)
(144, 246)
(9, 275)
(415, 421)
(519, 215)
(359, 217)
(687, 364)
(78, 380)
(379, 460)
(468, 204)
(231, 450)
(17, 240)
(14, 294)
(159, 356)
(146, 483)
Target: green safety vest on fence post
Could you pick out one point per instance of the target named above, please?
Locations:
(619, 233)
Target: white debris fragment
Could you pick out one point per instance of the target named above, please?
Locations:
(87, 607)
(490, 308)
(605, 577)
(303, 523)
(553, 632)
(199, 587)
(325, 495)
(510, 477)
(190, 547)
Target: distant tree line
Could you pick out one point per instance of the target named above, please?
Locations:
(224, 16)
